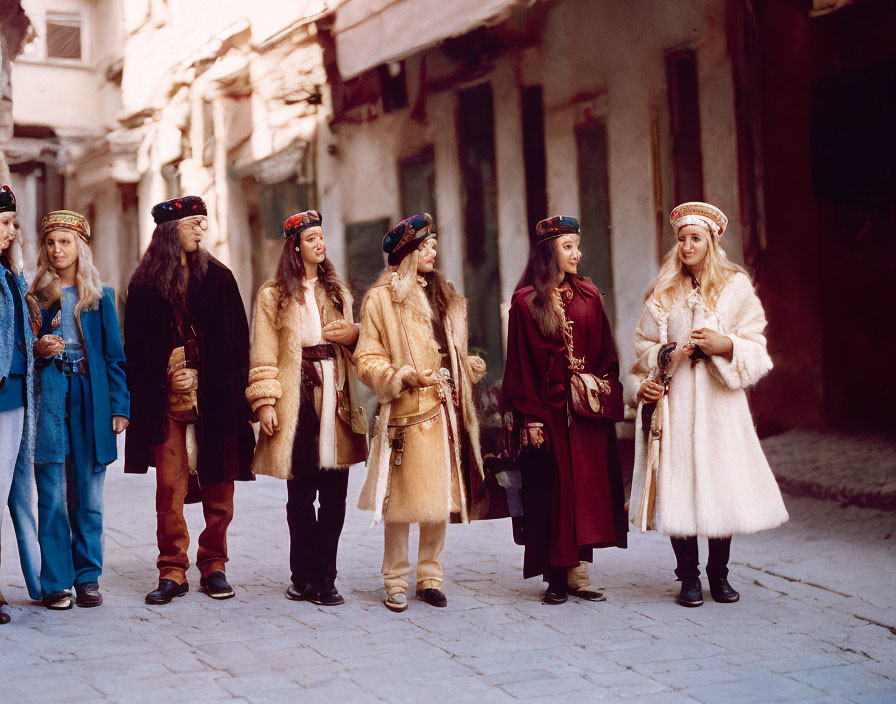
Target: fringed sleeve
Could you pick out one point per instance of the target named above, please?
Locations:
(264, 388)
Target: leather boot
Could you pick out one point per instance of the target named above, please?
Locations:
(721, 591)
(691, 593)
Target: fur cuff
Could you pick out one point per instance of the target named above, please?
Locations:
(266, 388)
(404, 376)
(262, 373)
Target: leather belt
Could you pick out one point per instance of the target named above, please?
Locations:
(316, 352)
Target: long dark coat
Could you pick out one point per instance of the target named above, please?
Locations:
(224, 432)
(573, 496)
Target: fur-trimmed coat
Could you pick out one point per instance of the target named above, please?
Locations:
(275, 361)
(713, 479)
(396, 343)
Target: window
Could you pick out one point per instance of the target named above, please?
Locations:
(64, 37)
(684, 114)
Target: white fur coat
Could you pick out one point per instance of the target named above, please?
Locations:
(713, 479)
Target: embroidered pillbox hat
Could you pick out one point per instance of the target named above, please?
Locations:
(68, 219)
(178, 208)
(300, 222)
(555, 227)
(404, 238)
(697, 213)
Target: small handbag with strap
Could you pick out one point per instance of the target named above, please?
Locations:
(591, 396)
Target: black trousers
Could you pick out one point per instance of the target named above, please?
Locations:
(313, 536)
(689, 561)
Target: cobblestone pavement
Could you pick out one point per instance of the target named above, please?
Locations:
(816, 621)
(854, 469)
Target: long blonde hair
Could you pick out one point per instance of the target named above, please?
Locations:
(674, 280)
(47, 286)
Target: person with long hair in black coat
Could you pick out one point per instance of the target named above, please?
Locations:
(187, 346)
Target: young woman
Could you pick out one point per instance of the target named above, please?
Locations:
(413, 353)
(569, 462)
(16, 400)
(83, 403)
(312, 430)
(711, 477)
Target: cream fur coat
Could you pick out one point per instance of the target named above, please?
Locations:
(396, 343)
(275, 369)
(713, 479)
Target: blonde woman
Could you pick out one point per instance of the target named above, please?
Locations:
(83, 403)
(711, 477)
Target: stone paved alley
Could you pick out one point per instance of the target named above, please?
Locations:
(816, 621)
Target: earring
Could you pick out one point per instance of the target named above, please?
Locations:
(298, 250)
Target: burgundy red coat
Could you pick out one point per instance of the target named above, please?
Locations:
(573, 492)
(224, 431)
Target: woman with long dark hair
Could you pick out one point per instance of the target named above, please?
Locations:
(187, 345)
(312, 428)
(559, 338)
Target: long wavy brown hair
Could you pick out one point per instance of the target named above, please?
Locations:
(290, 277)
(440, 292)
(160, 269)
(542, 271)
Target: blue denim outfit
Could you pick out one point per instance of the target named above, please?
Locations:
(75, 441)
(16, 369)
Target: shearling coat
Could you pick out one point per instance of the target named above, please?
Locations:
(397, 342)
(713, 479)
(275, 361)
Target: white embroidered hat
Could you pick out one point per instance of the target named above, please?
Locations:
(697, 213)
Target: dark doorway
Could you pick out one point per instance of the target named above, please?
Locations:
(854, 175)
(476, 145)
(417, 181)
(594, 205)
(534, 157)
(364, 256)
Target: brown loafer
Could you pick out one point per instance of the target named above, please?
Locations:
(88, 595)
(4, 617)
(58, 601)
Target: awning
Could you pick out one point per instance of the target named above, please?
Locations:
(373, 32)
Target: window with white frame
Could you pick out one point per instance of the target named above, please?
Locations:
(64, 36)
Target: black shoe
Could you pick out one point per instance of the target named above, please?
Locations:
(166, 591)
(216, 586)
(722, 592)
(59, 601)
(587, 595)
(299, 594)
(554, 596)
(691, 592)
(4, 617)
(433, 597)
(327, 596)
(88, 595)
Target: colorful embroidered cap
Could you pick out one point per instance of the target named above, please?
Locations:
(697, 213)
(300, 222)
(178, 208)
(555, 227)
(7, 200)
(403, 239)
(68, 219)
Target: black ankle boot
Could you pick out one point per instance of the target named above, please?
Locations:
(721, 591)
(691, 592)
